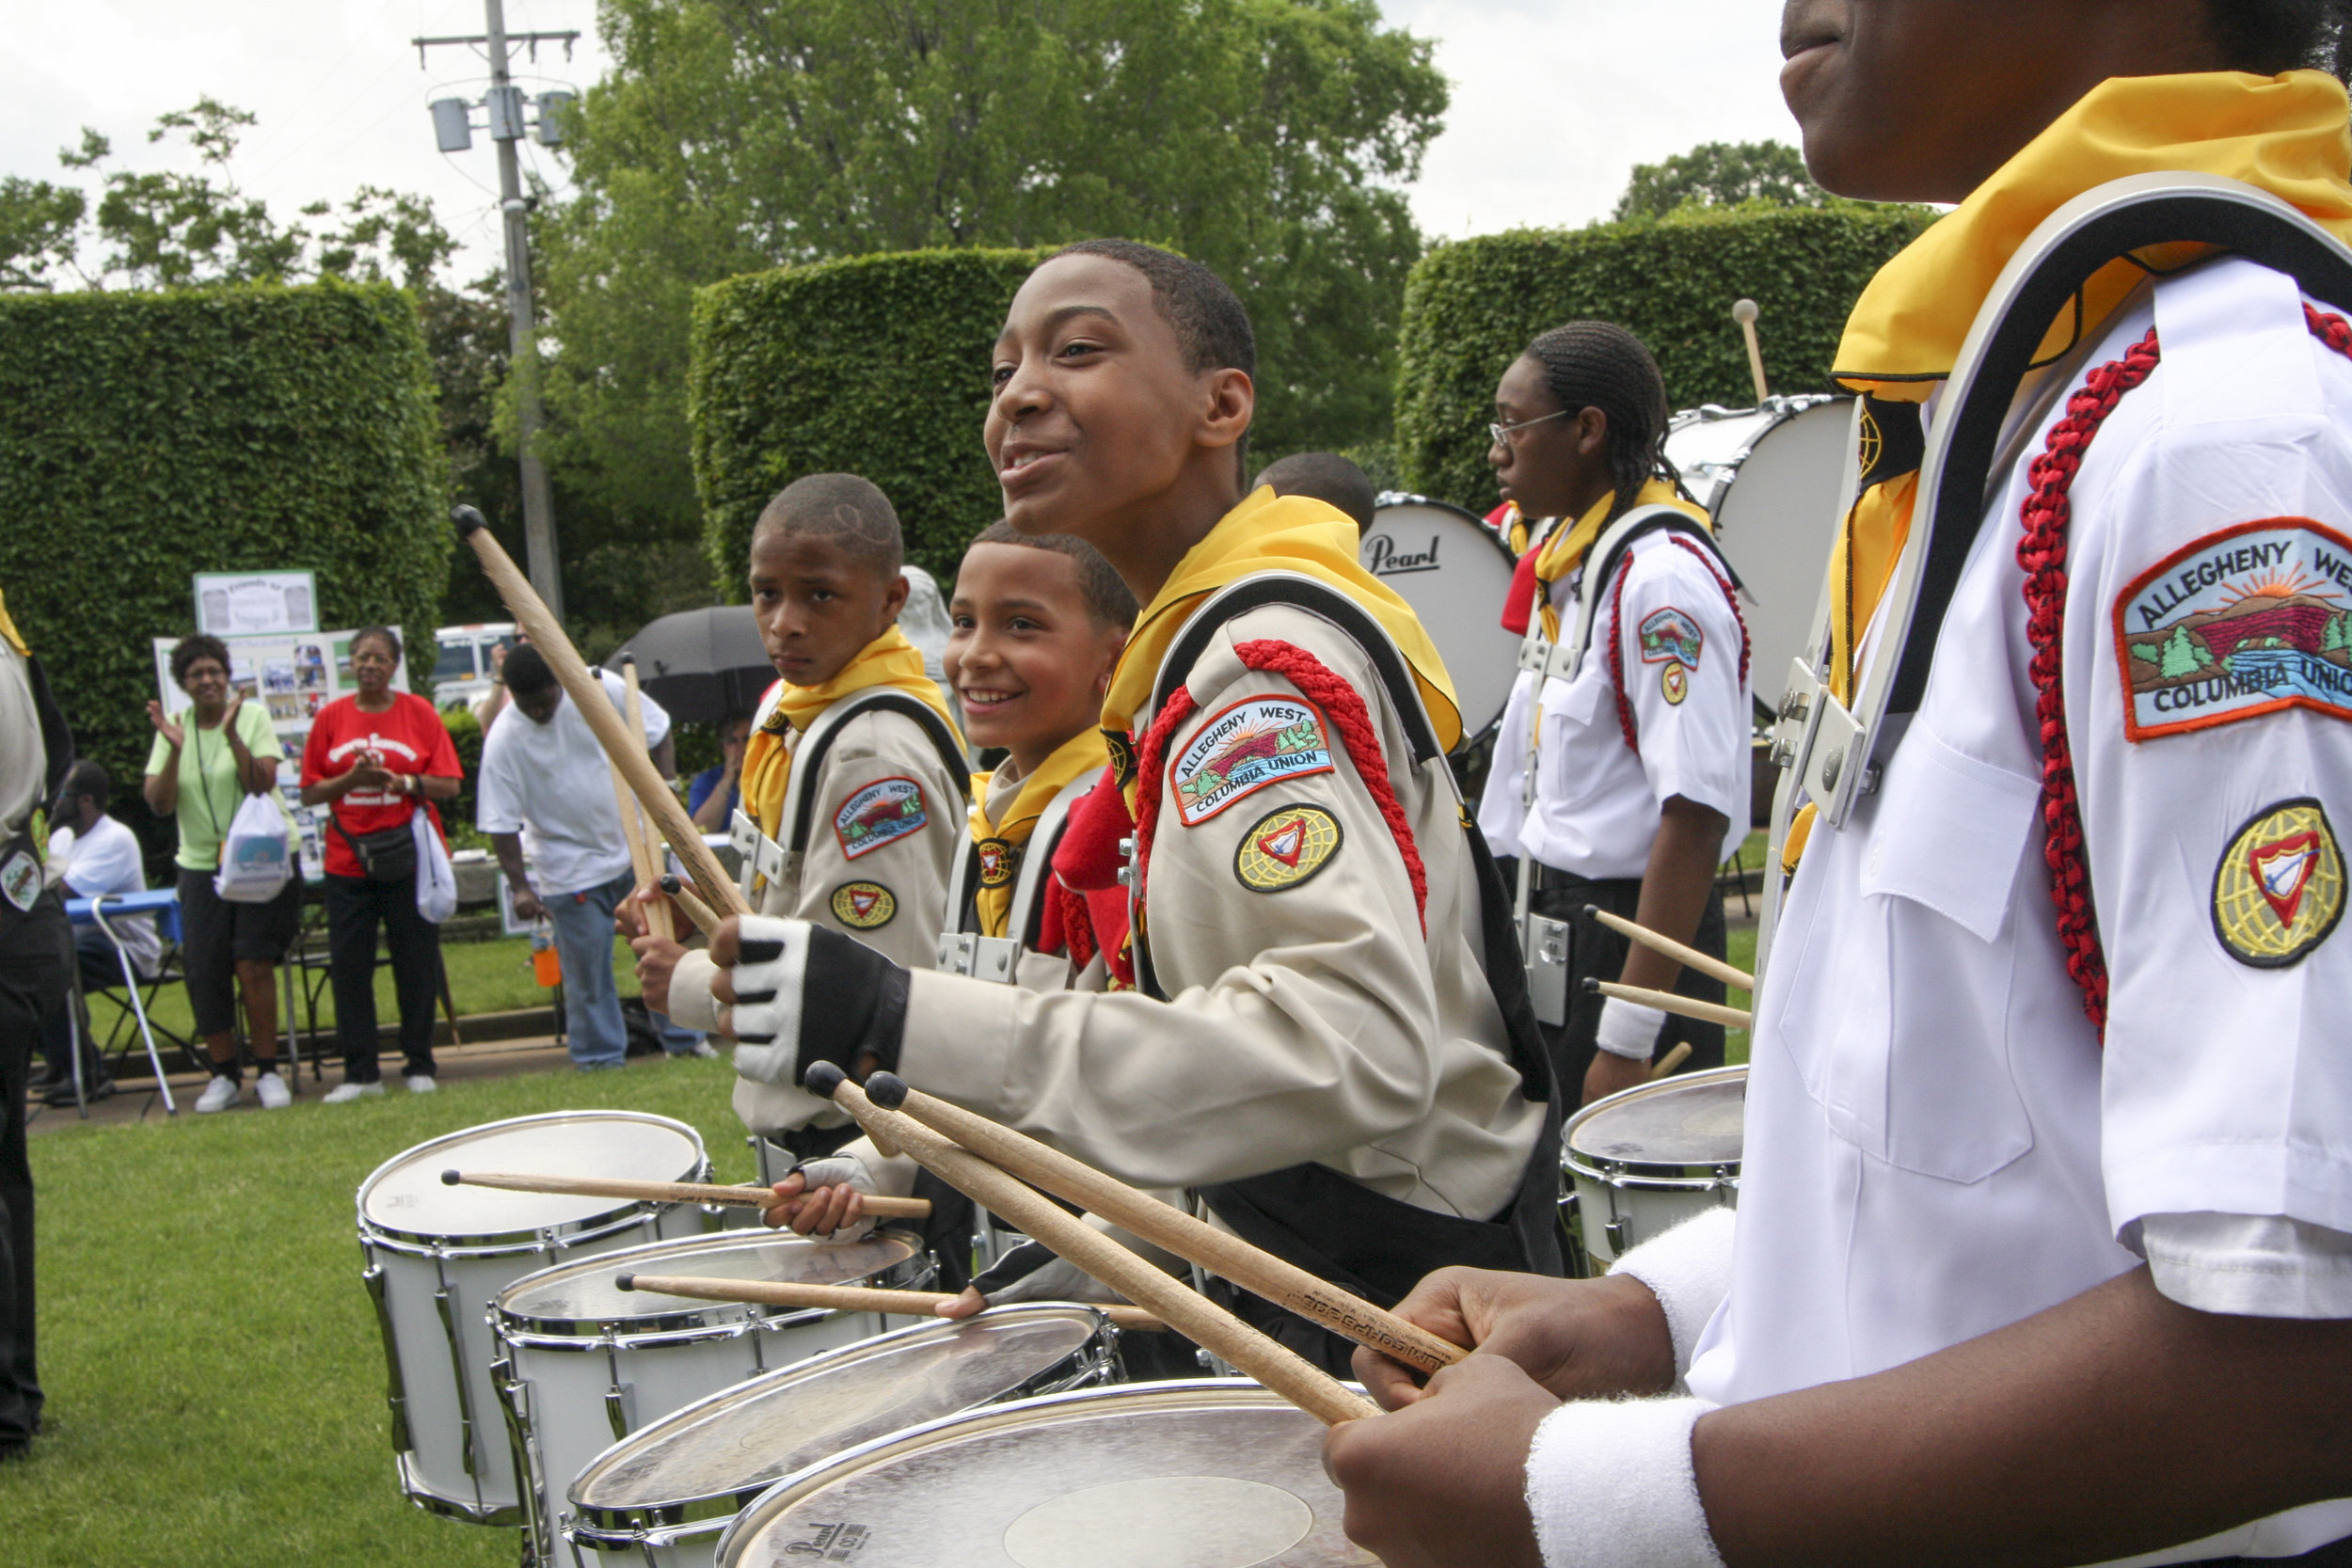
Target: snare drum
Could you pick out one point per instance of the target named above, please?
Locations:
(1203, 1474)
(1647, 1159)
(435, 1256)
(664, 1495)
(1456, 574)
(583, 1362)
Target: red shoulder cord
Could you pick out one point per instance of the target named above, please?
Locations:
(2041, 551)
(1616, 636)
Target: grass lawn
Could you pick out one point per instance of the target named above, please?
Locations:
(214, 1376)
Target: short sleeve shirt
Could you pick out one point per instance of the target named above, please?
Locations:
(551, 784)
(409, 738)
(210, 793)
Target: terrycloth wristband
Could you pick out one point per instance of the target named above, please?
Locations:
(1689, 1270)
(1610, 1484)
(1630, 1029)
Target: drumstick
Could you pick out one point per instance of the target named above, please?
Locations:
(696, 911)
(1744, 312)
(666, 1191)
(1174, 1304)
(837, 1298)
(1667, 1002)
(1229, 1257)
(1674, 1059)
(1690, 957)
(587, 693)
(640, 866)
(642, 852)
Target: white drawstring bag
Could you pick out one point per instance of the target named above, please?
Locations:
(436, 880)
(254, 860)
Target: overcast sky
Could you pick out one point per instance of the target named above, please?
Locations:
(1553, 102)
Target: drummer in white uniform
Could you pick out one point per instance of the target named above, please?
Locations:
(1636, 786)
(2043, 1252)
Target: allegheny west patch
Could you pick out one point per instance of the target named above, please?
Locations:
(1242, 749)
(1285, 846)
(1674, 682)
(881, 812)
(2278, 890)
(998, 861)
(21, 879)
(864, 906)
(1670, 636)
(2241, 622)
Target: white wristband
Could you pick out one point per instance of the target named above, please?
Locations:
(1610, 1484)
(1689, 1270)
(1628, 1029)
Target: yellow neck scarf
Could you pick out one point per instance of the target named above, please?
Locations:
(9, 633)
(1568, 546)
(1514, 529)
(1274, 533)
(1002, 843)
(889, 660)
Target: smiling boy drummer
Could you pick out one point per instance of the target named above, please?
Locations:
(1333, 1074)
(2043, 1250)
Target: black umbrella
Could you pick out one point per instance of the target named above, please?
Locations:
(701, 664)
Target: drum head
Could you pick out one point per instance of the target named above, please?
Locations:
(1777, 523)
(1690, 1120)
(773, 1425)
(586, 1291)
(1164, 1475)
(1456, 574)
(404, 1195)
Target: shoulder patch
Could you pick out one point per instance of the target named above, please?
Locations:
(1286, 847)
(999, 860)
(1242, 749)
(2243, 622)
(864, 906)
(1669, 636)
(1121, 746)
(2279, 891)
(881, 812)
(1674, 682)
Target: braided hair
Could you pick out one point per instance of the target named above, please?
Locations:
(1602, 365)
(2267, 37)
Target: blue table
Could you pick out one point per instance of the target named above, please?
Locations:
(102, 911)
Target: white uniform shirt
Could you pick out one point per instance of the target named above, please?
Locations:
(1937, 1144)
(550, 782)
(107, 860)
(1597, 800)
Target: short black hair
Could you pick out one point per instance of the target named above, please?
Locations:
(202, 645)
(1105, 592)
(390, 638)
(851, 511)
(86, 778)
(1325, 475)
(1600, 365)
(1210, 323)
(2268, 37)
(526, 672)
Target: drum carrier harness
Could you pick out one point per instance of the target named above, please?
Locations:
(962, 949)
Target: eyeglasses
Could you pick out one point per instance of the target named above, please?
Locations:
(1500, 435)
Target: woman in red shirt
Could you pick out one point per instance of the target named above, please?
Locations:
(373, 759)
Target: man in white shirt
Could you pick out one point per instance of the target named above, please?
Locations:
(547, 787)
(90, 853)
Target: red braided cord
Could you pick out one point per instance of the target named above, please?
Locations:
(1731, 597)
(1077, 925)
(1616, 658)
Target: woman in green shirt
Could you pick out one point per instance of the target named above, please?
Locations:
(203, 765)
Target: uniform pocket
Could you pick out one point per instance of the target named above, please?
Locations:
(1569, 710)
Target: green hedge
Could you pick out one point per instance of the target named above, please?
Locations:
(146, 436)
(1471, 307)
(877, 365)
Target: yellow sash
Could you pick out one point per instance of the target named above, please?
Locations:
(1568, 546)
(889, 660)
(9, 633)
(1082, 755)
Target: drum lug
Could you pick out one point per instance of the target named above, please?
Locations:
(1619, 1232)
(618, 1401)
(465, 1395)
(514, 1396)
(396, 1390)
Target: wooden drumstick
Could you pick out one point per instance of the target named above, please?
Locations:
(587, 693)
(1744, 312)
(696, 911)
(1690, 957)
(666, 1191)
(836, 1298)
(1672, 1060)
(1228, 1256)
(1173, 1302)
(644, 851)
(1667, 1002)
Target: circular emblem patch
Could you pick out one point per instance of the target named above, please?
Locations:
(1285, 846)
(864, 906)
(1675, 681)
(998, 860)
(1122, 751)
(2278, 890)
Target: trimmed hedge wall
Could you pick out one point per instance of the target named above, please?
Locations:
(146, 436)
(876, 365)
(1471, 307)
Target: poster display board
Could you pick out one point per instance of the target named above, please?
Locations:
(251, 604)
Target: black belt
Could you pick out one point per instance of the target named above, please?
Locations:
(1550, 878)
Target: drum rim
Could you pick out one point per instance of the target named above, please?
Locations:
(582, 1333)
(492, 1242)
(611, 1523)
(1608, 1171)
(1462, 511)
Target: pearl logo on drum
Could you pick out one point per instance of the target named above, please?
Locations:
(1383, 558)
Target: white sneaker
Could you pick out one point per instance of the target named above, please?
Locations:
(219, 1095)
(703, 1048)
(421, 1082)
(344, 1094)
(272, 1091)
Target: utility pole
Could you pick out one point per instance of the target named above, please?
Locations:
(452, 127)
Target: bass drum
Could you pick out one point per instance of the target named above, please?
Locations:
(1456, 574)
(1770, 477)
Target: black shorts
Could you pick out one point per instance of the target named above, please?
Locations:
(216, 935)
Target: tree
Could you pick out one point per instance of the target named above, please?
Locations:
(2184, 655)
(1721, 174)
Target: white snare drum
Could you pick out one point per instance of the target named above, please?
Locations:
(1647, 1159)
(1201, 1474)
(435, 1256)
(583, 1362)
(1456, 574)
(663, 1495)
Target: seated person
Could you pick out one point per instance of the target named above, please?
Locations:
(91, 853)
(715, 794)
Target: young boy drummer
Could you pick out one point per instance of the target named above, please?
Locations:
(1334, 1069)
(2044, 1249)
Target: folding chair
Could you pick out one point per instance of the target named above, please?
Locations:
(163, 906)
